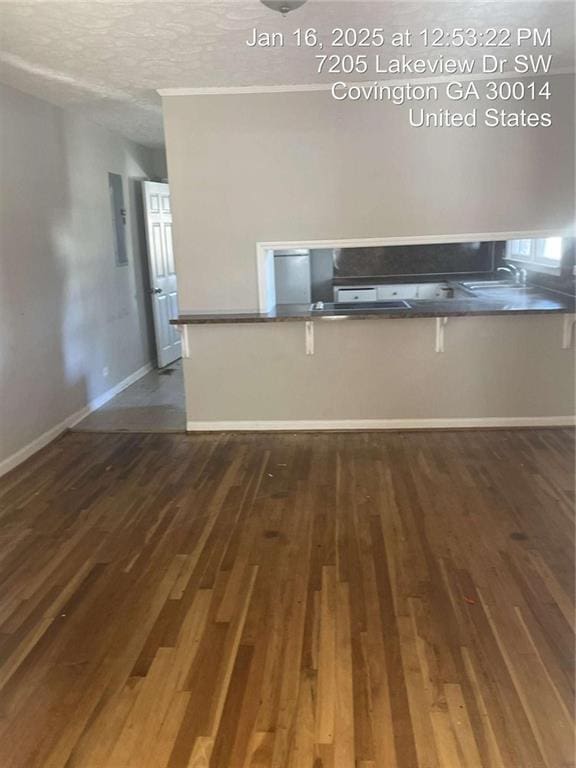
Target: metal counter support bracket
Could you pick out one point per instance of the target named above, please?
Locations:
(440, 325)
(568, 331)
(309, 332)
(183, 330)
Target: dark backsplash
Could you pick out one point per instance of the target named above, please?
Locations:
(399, 260)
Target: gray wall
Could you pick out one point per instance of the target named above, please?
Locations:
(66, 310)
(301, 167)
(158, 169)
(492, 367)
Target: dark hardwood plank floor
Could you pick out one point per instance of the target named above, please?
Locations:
(370, 600)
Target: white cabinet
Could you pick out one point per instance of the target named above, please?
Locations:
(433, 291)
(356, 294)
(397, 291)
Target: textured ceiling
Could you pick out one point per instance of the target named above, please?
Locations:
(106, 58)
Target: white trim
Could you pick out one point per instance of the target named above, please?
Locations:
(266, 290)
(70, 421)
(183, 331)
(43, 440)
(381, 424)
(568, 331)
(440, 333)
(266, 278)
(239, 90)
(101, 400)
(309, 337)
(454, 237)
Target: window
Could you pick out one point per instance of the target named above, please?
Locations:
(541, 252)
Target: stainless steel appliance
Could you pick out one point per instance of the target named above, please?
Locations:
(292, 276)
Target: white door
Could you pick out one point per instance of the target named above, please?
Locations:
(163, 288)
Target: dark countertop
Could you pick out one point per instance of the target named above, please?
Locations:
(441, 277)
(528, 301)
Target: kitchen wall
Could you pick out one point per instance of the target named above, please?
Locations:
(381, 372)
(299, 167)
(67, 312)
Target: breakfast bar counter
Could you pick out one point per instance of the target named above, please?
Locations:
(529, 300)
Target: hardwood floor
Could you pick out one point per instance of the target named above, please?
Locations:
(367, 600)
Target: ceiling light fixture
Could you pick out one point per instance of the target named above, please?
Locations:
(283, 6)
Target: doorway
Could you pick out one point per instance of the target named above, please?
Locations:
(161, 270)
(152, 401)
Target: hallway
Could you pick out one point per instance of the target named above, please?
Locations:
(153, 404)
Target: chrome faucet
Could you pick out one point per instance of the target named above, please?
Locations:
(518, 273)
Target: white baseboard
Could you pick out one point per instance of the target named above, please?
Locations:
(98, 402)
(380, 424)
(70, 421)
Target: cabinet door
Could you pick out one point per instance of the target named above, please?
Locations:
(432, 291)
(356, 294)
(397, 291)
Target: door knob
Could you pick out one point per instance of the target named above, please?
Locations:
(156, 290)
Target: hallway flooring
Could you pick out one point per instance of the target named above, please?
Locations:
(155, 403)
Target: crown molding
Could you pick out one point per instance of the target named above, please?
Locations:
(244, 89)
(311, 87)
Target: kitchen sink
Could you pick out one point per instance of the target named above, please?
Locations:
(487, 285)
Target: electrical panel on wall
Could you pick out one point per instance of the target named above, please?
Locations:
(119, 217)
